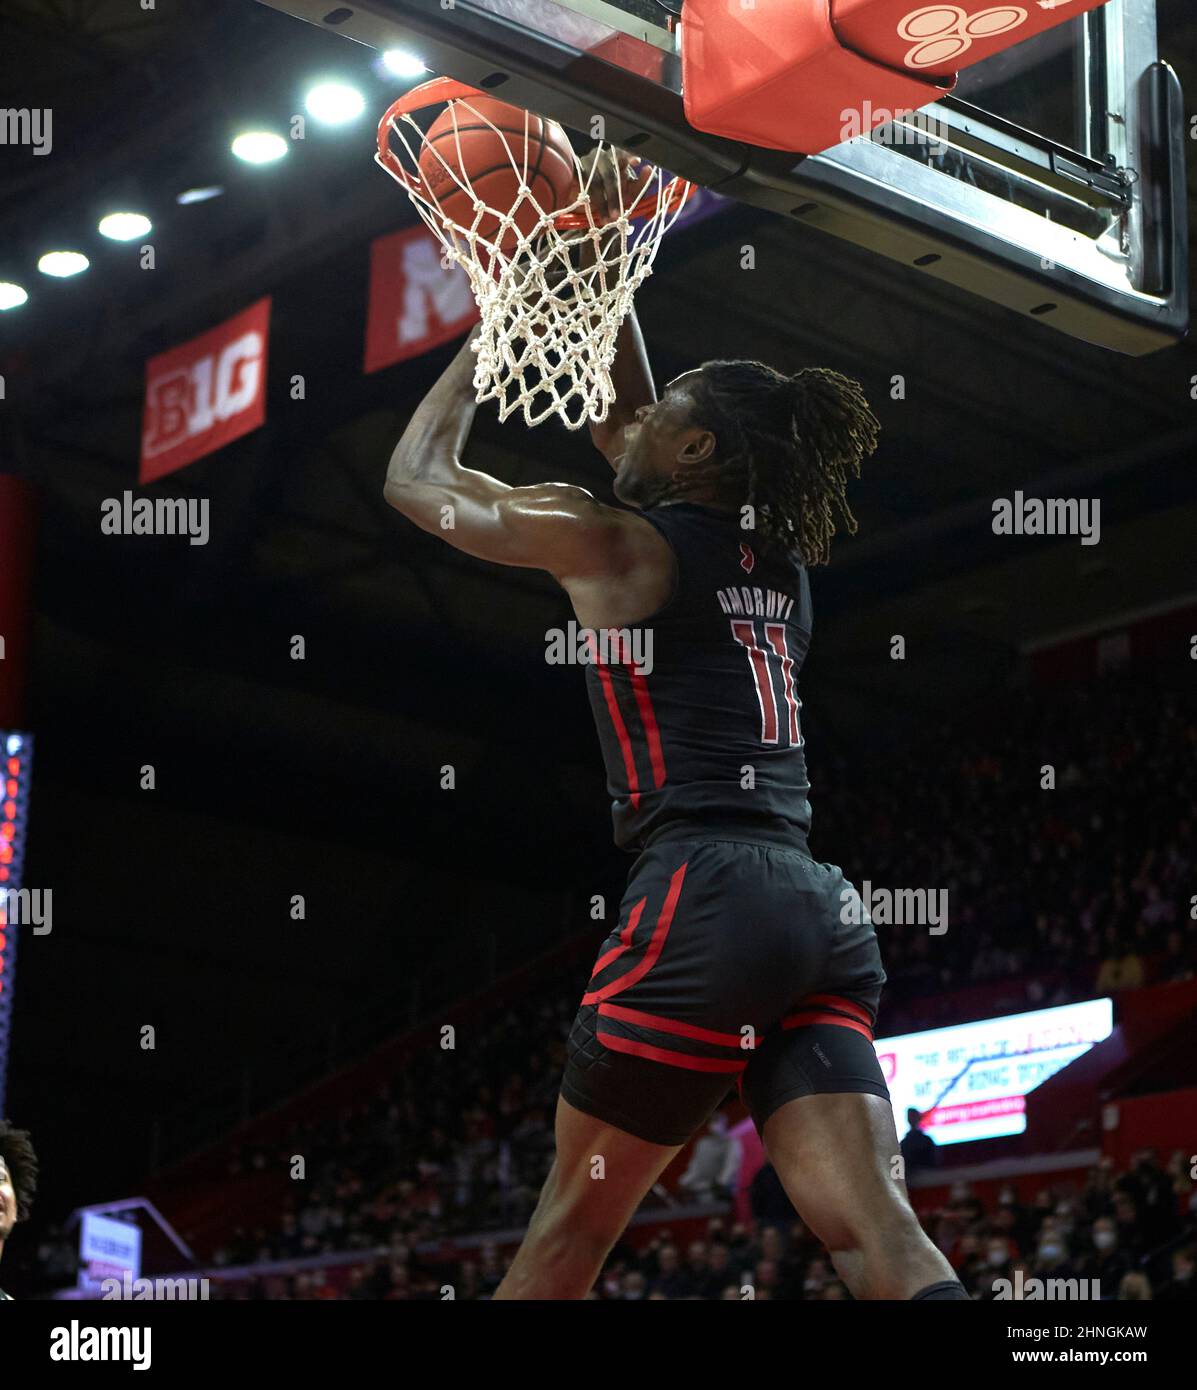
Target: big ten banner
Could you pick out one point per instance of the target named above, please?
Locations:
(416, 303)
(205, 393)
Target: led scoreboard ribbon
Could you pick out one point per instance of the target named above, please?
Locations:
(17, 750)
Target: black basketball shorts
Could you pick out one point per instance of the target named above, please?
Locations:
(735, 963)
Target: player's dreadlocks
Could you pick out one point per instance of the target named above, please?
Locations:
(16, 1149)
(787, 446)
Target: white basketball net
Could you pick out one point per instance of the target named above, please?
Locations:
(551, 297)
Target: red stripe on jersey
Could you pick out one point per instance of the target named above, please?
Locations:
(621, 732)
(648, 718)
(812, 1016)
(668, 1056)
(660, 932)
(625, 939)
(670, 1025)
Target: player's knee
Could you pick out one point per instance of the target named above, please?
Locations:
(886, 1225)
(896, 1236)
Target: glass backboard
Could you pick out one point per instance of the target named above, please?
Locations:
(1050, 181)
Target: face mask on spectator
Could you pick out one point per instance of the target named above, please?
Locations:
(1105, 1240)
(997, 1257)
(1051, 1252)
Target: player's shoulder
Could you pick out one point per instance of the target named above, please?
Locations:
(569, 501)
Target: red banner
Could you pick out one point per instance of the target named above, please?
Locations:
(205, 393)
(415, 303)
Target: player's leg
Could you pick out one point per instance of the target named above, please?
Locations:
(836, 1157)
(645, 1068)
(819, 1099)
(598, 1179)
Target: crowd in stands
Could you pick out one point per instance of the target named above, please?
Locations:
(1072, 890)
(1133, 1233)
(1064, 892)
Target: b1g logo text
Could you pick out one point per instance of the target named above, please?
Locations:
(191, 400)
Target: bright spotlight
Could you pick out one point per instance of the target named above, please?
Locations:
(11, 296)
(334, 103)
(259, 146)
(199, 195)
(402, 63)
(124, 226)
(63, 263)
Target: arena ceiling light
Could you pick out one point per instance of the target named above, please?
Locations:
(11, 296)
(199, 195)
(63, 263)
(402, 63)
(259, 146)
(334, 103)
(124, 226)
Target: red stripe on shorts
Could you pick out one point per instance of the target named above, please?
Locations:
(660, 932)
(667, 1055)
(670, 1025)
(812, 1016)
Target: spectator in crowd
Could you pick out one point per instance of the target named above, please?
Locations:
(1107, 1262)
(714, 1163)
(1180, 959)
(1121, 969)
(1151, 1189)
(918, 1149)
(669, 1280)
(1182, 1286)
(998, 1254)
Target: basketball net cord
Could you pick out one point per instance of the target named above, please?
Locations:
(551, 296)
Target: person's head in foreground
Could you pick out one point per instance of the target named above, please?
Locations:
(18, 1178)
(736, 434)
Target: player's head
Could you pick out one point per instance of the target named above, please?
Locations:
(18, 1177)
(914, 1118)
(739, 432)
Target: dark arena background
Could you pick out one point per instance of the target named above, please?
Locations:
(307, 850)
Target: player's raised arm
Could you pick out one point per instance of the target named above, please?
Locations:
(549, 526)
(631, 374)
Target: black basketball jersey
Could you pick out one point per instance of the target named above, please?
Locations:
(697, 706)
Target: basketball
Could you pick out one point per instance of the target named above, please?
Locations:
(495, 159)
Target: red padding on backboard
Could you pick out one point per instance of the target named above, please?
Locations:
(939, 39)
(775, 74)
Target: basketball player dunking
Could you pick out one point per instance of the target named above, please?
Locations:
(734, 962)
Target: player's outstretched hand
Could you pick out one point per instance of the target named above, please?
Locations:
(610, 168)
